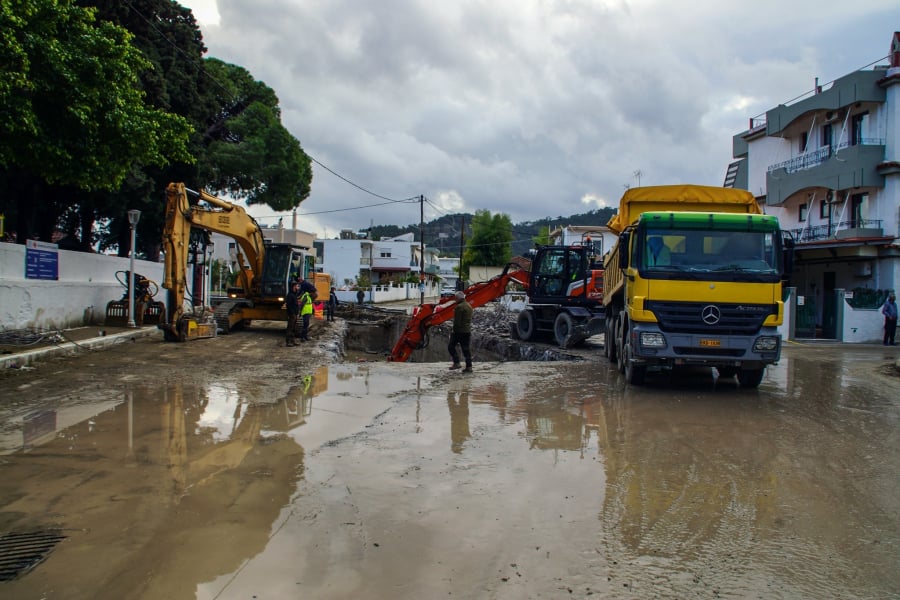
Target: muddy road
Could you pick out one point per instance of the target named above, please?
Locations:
(235, 468)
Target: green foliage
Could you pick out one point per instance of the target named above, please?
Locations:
(250, 154)
(71, 108)
(490, 240)
(542, 238)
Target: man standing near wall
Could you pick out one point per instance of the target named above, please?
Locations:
(889, 310)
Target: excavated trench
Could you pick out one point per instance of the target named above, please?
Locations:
(373, 332)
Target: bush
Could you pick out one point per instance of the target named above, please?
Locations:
(867, 298)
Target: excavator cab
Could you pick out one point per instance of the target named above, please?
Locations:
(556, 273)
(276, 271)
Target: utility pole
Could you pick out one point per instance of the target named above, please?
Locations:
(460, 282)
(421, 249)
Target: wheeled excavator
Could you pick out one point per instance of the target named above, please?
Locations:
(564, 288)
(264, 269)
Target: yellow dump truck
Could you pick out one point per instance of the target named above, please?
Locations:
(695, 278)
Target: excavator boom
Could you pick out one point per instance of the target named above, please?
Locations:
(428, 315)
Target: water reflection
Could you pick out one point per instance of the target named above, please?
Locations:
(458, 403)
(710, 487)
(194, 475)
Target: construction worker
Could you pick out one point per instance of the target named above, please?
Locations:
(292, 303)
(462, 332)
(306, 311)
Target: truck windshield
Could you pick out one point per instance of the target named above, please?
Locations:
(714, 251)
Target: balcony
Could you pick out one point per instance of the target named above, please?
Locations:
(860, 228)
(860, 86)
(847, 167)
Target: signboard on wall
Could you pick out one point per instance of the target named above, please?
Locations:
(41, 260)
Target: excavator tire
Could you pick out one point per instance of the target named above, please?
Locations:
(525, 325)
(564, 330)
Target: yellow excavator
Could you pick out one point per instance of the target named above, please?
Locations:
(264, 269)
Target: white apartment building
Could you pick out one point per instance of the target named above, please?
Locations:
(391, 259)
(828, 165)
(599, 236)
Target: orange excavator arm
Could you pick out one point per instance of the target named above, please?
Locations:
(428, 315)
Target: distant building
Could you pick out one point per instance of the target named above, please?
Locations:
(351, 258)
(599, 236)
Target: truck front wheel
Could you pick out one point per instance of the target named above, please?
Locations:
(750, 378)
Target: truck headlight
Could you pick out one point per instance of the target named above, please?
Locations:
(766, 343)
(652, 339)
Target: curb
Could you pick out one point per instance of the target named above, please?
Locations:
(24, 359)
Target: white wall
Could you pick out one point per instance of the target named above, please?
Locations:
(862, 325)
(87, 282)
(391, 293)
(764, 152)
(342, 259)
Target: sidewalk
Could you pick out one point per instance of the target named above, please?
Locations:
(67, 341)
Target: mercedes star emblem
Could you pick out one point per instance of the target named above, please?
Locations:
(710, 314)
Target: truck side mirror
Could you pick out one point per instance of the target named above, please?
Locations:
(624, 251)
(787, 254)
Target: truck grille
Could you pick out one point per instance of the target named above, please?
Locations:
(710, 318)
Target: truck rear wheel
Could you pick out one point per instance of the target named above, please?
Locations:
(525, 325)
(563, 330)
(621, 327)
(609, 340)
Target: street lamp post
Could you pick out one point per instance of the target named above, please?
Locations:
(133, 217)
(208, 270)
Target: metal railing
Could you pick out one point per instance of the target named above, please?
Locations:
(824, 232)
(808, 160)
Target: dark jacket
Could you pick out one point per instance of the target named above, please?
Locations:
(462, 317)
(889, 310)
(292, 302)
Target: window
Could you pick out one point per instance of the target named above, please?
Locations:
(856, 210)
(804, 141)
(858, 125)
(384, 253)
(824, 209)
(827, 135)
(804, 208)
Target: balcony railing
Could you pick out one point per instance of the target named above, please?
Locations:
(824, 232)
(808, 160)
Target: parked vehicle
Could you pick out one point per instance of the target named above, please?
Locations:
(695, 278)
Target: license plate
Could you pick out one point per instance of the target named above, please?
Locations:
(711, 343)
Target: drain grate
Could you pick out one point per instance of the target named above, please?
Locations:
(21, 552)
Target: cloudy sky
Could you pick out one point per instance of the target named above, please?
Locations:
(532, 108)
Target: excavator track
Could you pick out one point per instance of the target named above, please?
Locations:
(222, 315)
